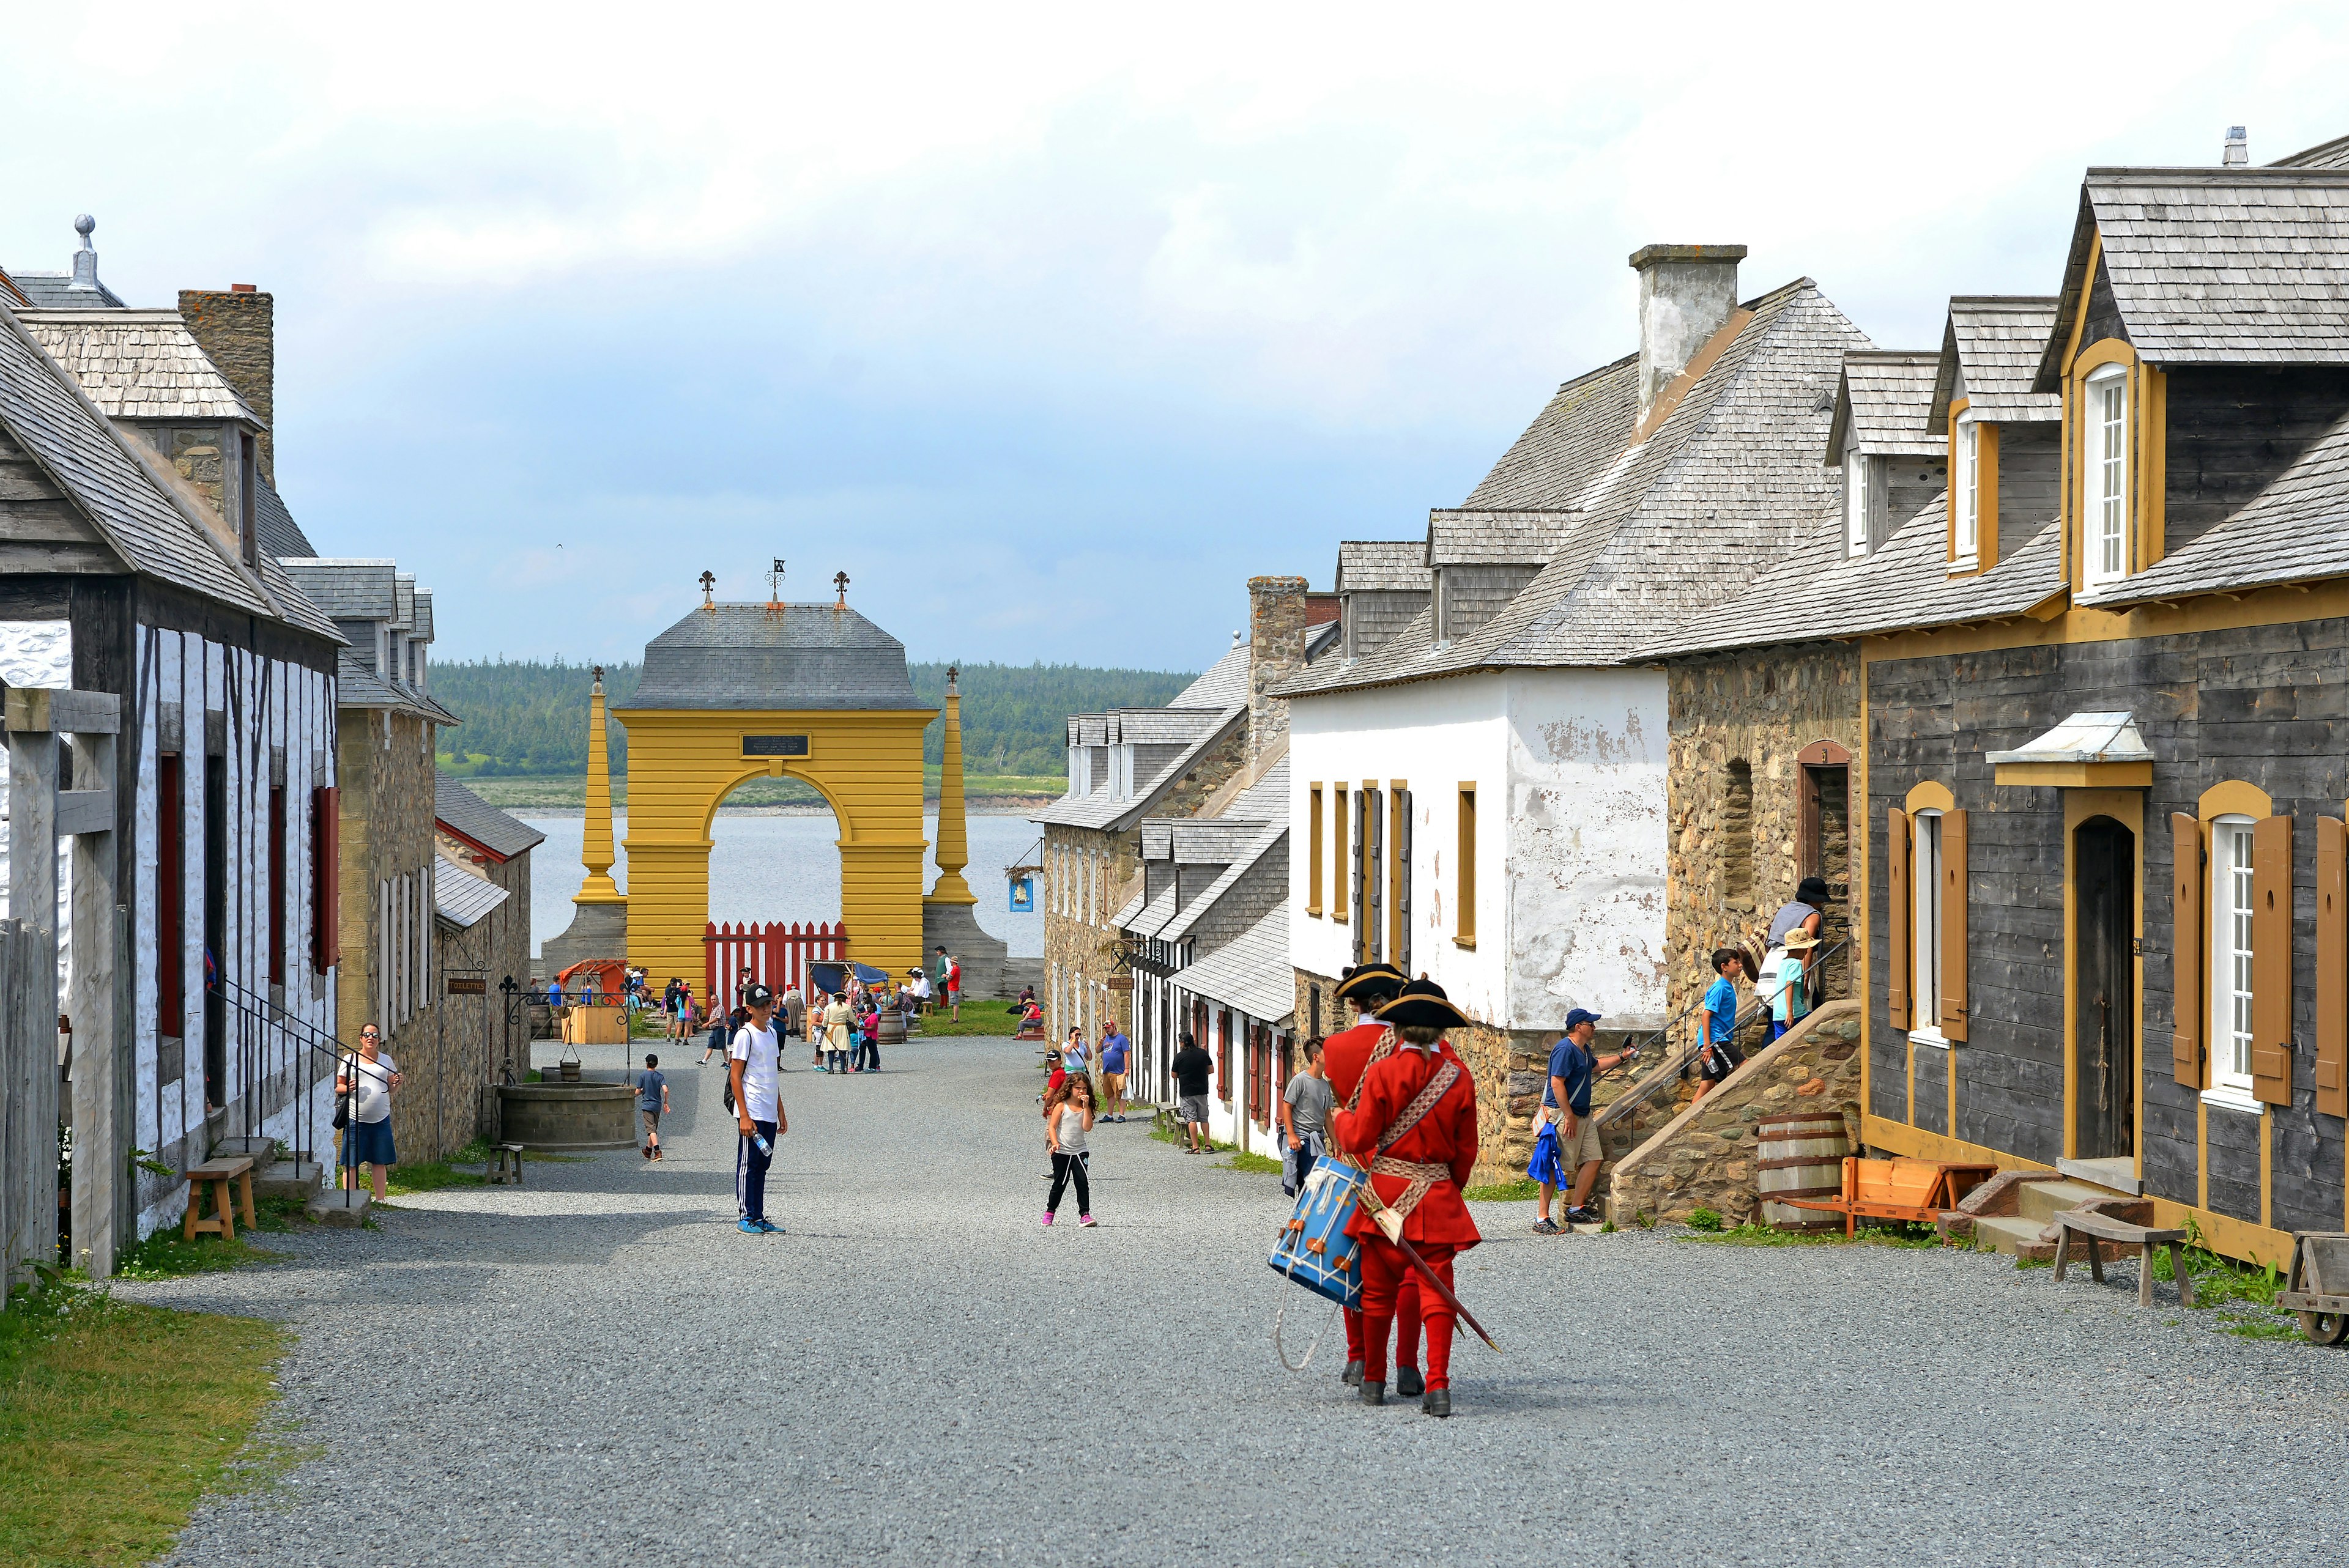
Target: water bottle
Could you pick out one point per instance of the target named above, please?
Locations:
(765, 1148)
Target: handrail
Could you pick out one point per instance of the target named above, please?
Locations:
(1674, 1066)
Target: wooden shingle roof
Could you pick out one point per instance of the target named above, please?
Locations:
(139, 364)
(1381, 565)
(1884, 406)
(1991, 346)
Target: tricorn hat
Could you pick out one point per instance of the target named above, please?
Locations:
(1368, 985)
(1421, 1004)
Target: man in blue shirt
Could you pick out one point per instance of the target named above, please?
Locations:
(1565, 1105)
(1114, 1046)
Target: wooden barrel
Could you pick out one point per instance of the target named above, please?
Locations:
(893, 1026)
(1800, 1157)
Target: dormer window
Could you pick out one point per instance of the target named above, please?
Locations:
(2105, 483)
(1965, 495)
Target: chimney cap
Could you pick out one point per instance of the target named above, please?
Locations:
(1647, 256)
(243, 288)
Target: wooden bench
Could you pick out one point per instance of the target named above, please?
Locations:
(219, 1174)
(2095, 1229)
(505, 1164)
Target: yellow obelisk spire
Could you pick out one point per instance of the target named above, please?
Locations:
(596, 840)
(953, 840)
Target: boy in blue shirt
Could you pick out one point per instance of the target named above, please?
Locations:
(1717, 1056)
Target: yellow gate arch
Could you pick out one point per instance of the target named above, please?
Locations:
(812, 692)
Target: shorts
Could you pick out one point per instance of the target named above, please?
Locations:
(652, 1120)
(1725, 1060)
(1113, 1085)
(1576, 1152)
(370, 1143)
(1193, 1107)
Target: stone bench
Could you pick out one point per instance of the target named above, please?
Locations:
(2094, 1229)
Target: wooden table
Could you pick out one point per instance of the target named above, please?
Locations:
(219, 1173)
(2094, 1228)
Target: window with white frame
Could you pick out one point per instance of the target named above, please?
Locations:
(2105, 484)
(1925, 925)
(2230, 953)
(1965, 494)
(1855, 502)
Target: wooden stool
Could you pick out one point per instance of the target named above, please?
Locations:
(2093, 1228)
(505, 1164)
(220, 1173)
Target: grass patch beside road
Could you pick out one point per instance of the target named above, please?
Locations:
(996, 1018)
(1504, 1192)
(114, 1418)
(1253, 1164)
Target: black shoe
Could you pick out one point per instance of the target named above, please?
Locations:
(1374, 1393)
(1585, 1217)
(1354, 1376)
(1408, 1384)
(1436, 1402)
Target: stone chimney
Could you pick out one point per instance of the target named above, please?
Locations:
(1686, 295)
(237, 330)
(1277, 621)
(2238, 152)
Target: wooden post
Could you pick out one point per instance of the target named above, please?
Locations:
(30, 1233)
(99, 1148)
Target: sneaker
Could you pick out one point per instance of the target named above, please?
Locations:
(1545, 1227)
(769, 1228)
(1084, 1219)
(749, 1227)
(1583, 1217)
(1047, 1217)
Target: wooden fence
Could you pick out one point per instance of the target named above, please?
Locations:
(28, 1105)
(777, 956)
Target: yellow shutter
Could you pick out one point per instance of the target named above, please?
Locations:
(1896, 883)
(2272, 960)
(1954, 925)
(2187, 1010)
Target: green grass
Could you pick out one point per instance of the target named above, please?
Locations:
(1504, 1192)
(167, 1254)
(1254, 1165)
(115, 1418)
(1886, 1234)
(995, 1018)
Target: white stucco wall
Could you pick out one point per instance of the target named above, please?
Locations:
(38, 654)
(1570, 771)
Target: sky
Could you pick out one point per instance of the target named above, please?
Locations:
(1049, 325)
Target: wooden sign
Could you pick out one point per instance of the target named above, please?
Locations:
(468, 985)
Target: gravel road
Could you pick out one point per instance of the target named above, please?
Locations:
(599, 1368)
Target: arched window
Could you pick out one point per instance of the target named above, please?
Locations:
(2105, 477)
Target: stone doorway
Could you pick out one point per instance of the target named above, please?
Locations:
(1822, 848)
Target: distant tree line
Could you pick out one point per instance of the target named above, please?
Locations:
(524, 719)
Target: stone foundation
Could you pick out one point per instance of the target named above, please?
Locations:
(1703, 1157)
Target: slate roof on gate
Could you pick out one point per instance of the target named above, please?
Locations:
(349, 588)
(808, 657)
(56, 291)
(467, 814)
(46, 411)
(1382, 566)
(1993, 342)
(2215, 266)
(1730, 474)
(1882, 404)
(139, 364)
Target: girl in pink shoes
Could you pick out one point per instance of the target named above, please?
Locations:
(1068, 1117)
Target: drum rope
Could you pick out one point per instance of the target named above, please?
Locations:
(1280, 1348)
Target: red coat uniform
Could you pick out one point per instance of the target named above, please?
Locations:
(1445, 1136)
(1344, 1055)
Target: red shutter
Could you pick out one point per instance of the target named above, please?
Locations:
(1954, 925)
(2188, 1009)
(325, 878)
(2272, 960)
(2331, 965)
(170, 896)
(1897, 899)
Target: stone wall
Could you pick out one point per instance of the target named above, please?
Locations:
(1107, 871)
(1703, 1158)
(1276, 626)
(497, 944)
(1738, 724)
(236, 331)
(1213, 770)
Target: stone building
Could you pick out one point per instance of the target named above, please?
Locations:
(1530, 875)
(130, 491)
(481, 897)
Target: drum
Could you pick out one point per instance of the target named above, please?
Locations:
(1314, 1249)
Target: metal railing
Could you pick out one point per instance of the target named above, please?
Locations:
(274, 1044)
(1676, 1065)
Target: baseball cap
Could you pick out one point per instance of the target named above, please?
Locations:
(757, 995)
(1579, 1016)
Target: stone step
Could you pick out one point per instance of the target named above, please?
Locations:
(2039, 1200)
(2118, 1174)
(2015, 1237)
(249, 1147)
(288, 1179)
(343, 1211)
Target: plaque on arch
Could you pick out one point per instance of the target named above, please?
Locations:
(775, 746)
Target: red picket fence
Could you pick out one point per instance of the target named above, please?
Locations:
(776, 954)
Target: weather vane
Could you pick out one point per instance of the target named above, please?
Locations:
(775, 588)
(840, 582)
(709, 586)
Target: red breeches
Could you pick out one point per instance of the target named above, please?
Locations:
(1388, 1283)
(1406, 1326)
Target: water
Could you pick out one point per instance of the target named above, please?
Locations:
(786, 868)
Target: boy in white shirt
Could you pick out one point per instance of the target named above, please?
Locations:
(754, 1074)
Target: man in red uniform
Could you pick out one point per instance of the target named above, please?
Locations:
(1414, 1127)
(1344, 1055)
